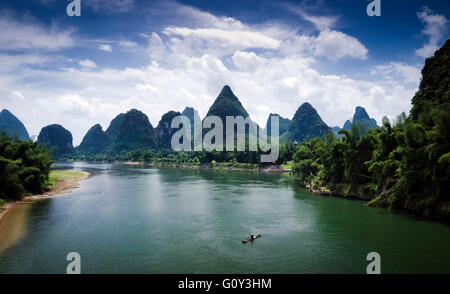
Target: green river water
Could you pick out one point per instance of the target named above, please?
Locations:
(132, 219)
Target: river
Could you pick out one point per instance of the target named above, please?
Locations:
(133, 219)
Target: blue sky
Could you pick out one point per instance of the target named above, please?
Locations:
(164, 55)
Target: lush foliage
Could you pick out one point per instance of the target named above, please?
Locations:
(406, 165)
(95, 141)
(402, 166)
(24, 167)
(306, 124)
(283, 124)
(164, 131)
(227, 104)
(126, 132)
(57, 139)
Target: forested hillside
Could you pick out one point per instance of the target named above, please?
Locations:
(404, 164)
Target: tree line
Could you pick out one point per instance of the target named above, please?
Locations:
(402, 165)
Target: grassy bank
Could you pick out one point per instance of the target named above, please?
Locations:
(58, 176)
(59, 182)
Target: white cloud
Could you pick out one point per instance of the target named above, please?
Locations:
(10, 61)
(336, 45)
(246, 39)
(270, 67)
(204, 33)
(320, 22)
(105, 47)
(18, 34)
(147, 87)
(409, 73)
(87, 63)
(79, 99)
(333, 45)
(217, 41)
(247, 61)
(128, 44)
(435, 29)
(18, 95)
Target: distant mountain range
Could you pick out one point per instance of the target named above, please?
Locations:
(126, 132)
(133, 130)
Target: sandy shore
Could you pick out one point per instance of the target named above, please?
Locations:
(14, 225)
(63, 186)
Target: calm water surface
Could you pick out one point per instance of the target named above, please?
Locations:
(128, 219)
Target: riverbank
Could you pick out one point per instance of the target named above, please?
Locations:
(277, 168)
(360, 192)
(61, 182)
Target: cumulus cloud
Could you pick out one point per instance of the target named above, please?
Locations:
(435, 29)
(105, 47)
(331, 44)
(270, 67)
(79, 99)
(221, 35)
(409, 73)
(247, 61)
(228, 38)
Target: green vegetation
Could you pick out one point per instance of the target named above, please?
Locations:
(306, 123)
(57, 139)
(405, 165)
(24, 168)
(164, 131)
(95, 141)
(127, 132)
(283, 124)
(2, 202)
(227, 104)
(56, 176)
(288, 165)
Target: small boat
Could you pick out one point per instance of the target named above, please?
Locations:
(251, 239)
